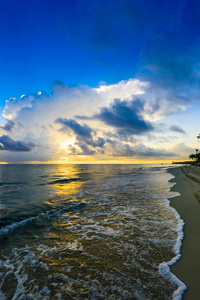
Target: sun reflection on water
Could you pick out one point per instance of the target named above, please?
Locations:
(104, 235)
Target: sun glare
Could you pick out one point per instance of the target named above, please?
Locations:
(67, 143)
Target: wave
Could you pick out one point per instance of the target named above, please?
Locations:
(7, 229)
(49, 214)
(11, 183)
(164, 268)
(62, 181)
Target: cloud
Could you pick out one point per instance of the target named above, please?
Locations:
(50, 120)
(169, 64)
(162, 57)
(125, 116)
(84, 102)
(43, 108)
(177, 129)
(67, 102)
(125, 89)
(182, 148)
(138, 151)
(36, 114)
(86, 143)
(13, 105)
(83, 149)
(168, 56)
(8, 126)
(6, 143)
(84, 131)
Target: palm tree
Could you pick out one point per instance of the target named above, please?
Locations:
(192, 156)
(196, 157)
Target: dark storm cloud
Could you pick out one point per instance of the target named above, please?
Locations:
(177, 129)
(99, 142)
(84, 131)
(85, 137)
(125, 116)
(8, 126)
(6, 143)
(90, 146)
(85, 150)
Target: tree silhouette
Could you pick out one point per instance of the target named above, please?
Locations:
(196, 157)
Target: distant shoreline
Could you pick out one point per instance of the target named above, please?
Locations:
(187, 269)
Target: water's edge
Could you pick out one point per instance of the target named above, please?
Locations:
(164, 268)
(114, 223)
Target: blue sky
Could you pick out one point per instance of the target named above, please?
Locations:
(99, 54)
(78, 42)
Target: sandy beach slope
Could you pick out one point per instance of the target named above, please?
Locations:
(187, 269)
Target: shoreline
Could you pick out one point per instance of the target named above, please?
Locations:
(187, 204)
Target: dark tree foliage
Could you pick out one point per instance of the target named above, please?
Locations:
(196, 157)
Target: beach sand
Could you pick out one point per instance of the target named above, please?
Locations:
(187, 269)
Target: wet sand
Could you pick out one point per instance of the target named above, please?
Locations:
(187, 269)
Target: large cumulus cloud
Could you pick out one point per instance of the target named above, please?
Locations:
(8, 126)
(6, 143)
(94, 119)
(87, 143)
(126, 116)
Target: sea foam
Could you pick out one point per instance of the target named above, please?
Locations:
(164, 269)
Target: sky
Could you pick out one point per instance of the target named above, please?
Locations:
(99, 81)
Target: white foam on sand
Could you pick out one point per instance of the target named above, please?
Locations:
(164, 268)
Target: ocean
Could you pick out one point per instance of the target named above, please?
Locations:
(88, 232)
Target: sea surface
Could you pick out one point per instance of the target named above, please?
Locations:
(88, 232)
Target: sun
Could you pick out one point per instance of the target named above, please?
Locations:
(64, 145)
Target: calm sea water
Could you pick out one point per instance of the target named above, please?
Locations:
(87, 232)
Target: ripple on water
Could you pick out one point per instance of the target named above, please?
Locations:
(106, 237)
